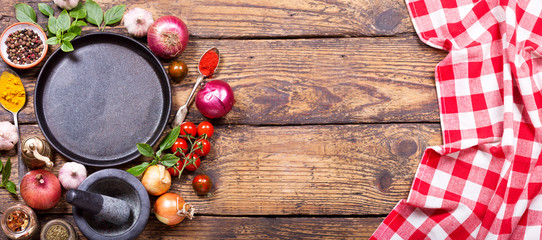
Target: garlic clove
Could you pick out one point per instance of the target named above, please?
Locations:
(66, 4)
(71, 175)
(137, 21)
(8, 135)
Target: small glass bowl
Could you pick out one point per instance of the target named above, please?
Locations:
(72, 235)
(19, 26)
(29, 231)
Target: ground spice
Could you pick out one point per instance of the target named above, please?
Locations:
(208, 63)
(12, 94)
(57, 232)
(17, 221)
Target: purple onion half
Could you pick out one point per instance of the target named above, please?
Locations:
(215, 99)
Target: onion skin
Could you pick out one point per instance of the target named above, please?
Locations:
(153, 182)
(215, 100)
(40, 189)
(168, 37)
(165, 209)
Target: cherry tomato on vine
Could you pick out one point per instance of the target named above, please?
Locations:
(188, 128)
(173, 172)
(202, 184)
(178, 70)
(179, 143)
(202, 147)
(195, 159)
(205, 128)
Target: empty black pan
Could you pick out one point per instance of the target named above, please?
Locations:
(96, 103)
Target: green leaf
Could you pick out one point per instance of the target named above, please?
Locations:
(1, 165)
(10, 186)
(79, 11)
(6, 171)
(64, 21)
(75, 30)
(52, 41)
(95, 13)
(66, 46)
(139, 169)
(80, 23)
(51, 25)
(46, 9)
(114, 14)
(25, 13)
(169, 160)
(69, 36)
(145, 149)
(170, 138)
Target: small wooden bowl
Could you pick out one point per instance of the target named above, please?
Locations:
(19, 26)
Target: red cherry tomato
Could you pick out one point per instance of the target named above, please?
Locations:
(179, 143)
(191, 167)
(188, 128)
(202, 184)
(205, 128)
(202, 147)
(173, 172)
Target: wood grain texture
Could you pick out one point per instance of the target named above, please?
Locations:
(299, 170)
(213, 227)
(266, 19)
(310, 81)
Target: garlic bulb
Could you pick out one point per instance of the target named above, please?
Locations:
(66, 4)
(8, 136)
(137, 21)
(71, 175)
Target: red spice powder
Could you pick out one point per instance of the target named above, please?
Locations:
(208, 63)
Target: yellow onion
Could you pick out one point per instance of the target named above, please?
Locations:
(156, 180)
(171, 209)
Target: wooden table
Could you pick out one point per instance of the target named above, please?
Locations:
(335, 106)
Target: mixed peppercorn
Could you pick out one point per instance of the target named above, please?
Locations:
(24, 47)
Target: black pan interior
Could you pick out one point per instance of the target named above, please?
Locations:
(94, 104)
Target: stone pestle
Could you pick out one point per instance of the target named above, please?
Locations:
(107, 208)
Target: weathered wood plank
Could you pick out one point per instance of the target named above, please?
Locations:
(300, 170)
(311, 81)
(212, 227)
(265, 19)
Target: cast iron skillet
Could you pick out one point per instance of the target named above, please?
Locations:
(96, 103)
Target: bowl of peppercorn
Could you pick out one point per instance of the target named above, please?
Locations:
(22, 45)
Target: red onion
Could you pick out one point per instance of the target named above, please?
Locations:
(40, 189)
(167, 37)
(215, 99)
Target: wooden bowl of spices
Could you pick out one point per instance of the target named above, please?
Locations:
(22, 45)
(58, 229)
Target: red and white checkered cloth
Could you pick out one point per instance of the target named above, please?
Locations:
(485, 181)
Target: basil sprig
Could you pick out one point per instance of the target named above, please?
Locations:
(6, 172)
(62, 30)
(96, 15)
(168, 160)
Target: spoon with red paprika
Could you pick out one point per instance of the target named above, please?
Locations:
(206, 67)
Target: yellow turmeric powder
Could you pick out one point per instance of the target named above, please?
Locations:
(12, 94)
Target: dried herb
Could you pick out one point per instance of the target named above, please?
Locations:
(57, 232)
(17, 221)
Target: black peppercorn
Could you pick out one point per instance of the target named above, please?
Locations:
(24, 46)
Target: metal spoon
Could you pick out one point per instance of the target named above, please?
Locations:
(21, 167)
(183, 110)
